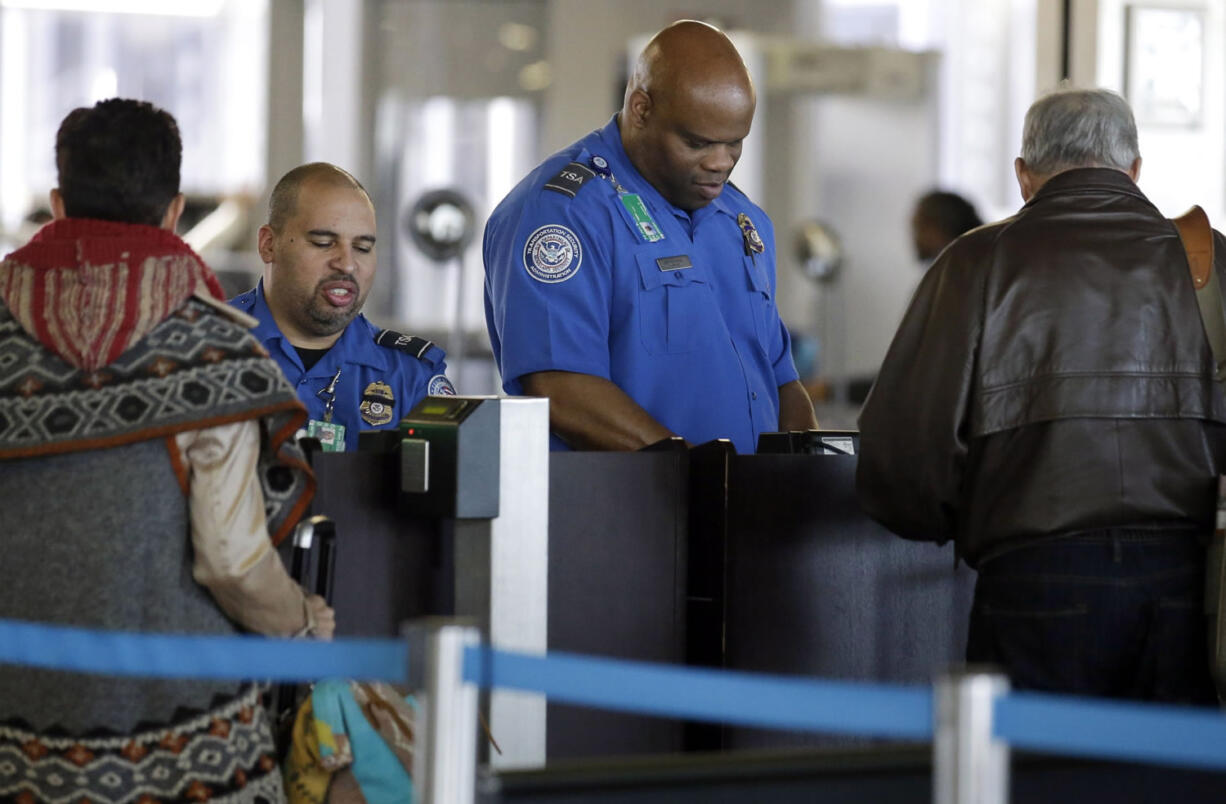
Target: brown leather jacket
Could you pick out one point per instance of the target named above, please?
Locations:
(1050, 376)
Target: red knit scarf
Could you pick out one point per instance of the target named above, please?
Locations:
(90, 289)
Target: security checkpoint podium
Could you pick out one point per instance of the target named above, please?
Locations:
(447, 515)
(813, 587)
(584, 553)
(701, 556)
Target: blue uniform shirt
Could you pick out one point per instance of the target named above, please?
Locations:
(685, 324)
(370, 373)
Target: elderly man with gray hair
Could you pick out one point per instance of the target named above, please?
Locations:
(1048, 403)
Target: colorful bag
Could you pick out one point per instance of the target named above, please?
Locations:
(352, 743)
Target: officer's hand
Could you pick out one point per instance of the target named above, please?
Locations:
(322, 618)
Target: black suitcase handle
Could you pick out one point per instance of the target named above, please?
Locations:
(321, 529)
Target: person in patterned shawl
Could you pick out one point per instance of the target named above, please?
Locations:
(147, 468)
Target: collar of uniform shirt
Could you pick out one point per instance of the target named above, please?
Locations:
(349, 344)
(267, 328)
(628, 175)
(356, 345)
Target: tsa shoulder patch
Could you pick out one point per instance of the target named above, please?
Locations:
(570, 178)
(439, 385)
(552, 254)
(409, 344)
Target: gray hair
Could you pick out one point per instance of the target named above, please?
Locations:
(1071, 128)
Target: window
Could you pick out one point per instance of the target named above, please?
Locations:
(203, 61)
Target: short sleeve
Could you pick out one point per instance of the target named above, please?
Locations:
(549, 285)
(421, 378)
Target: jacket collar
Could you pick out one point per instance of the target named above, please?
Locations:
(1094, 178)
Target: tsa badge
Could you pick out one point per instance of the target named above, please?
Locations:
(552, 254)
(377, 404)
(753, 240)
(440, 386)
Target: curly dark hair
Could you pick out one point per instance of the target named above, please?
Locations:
(949, 212)
(118, 161)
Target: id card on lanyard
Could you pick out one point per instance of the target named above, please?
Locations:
(330, 434)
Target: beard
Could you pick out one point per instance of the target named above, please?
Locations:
(326, 319)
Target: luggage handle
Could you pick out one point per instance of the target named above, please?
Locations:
(322, 529)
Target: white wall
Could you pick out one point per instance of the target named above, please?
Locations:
(334, 126)
(1182, 164)
(875, 158)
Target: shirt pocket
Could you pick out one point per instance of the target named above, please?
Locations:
(675, 307)
(761, 301)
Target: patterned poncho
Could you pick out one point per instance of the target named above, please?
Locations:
(112, 342)
(113, 333)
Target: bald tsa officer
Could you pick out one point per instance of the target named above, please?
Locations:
(318, 249)
(632, 284)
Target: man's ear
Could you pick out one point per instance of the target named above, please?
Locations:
(170, 218)
(1025, 179)
(1134, 171)
(265, 243)
(639, 106)
(57, 205)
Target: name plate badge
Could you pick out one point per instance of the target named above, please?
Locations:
(674, 263)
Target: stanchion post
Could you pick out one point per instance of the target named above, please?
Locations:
(970, 765)
(445, 755)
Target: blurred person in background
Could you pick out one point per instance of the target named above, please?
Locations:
(940, 217)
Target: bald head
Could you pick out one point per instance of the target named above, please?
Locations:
(318, 249)
(689, 57)
(284, 200)
(688, 107)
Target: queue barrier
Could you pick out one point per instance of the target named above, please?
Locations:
(447, 661)
(121, 653)
(722, 696)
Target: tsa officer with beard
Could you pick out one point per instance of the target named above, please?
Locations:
(318, 249)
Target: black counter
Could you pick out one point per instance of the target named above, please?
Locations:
(756, 562)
